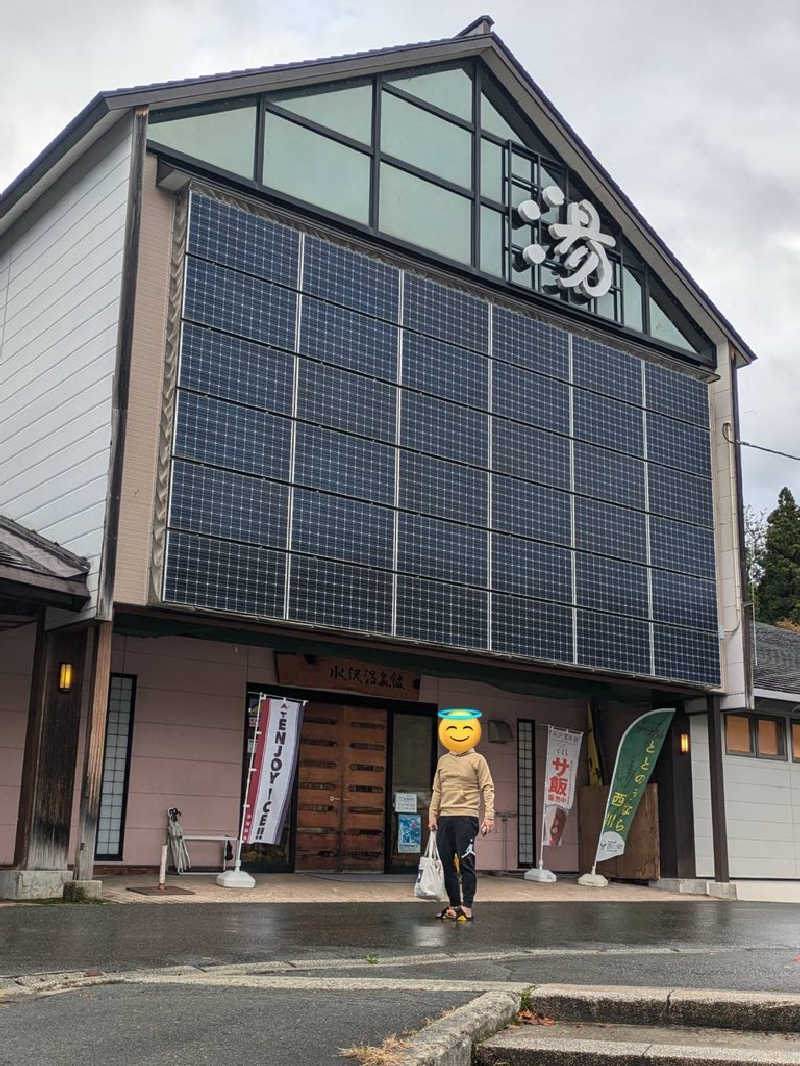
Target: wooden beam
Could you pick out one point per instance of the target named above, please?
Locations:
(92, 779)
(718, 820)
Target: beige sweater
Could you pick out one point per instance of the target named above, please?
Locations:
(459, 783)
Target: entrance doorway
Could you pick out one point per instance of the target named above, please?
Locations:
(341, 788)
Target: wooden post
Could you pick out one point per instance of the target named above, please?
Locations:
(718, 821)
(51, 747)
(92, 780)
(673, 775)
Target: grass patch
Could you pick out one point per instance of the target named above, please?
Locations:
(387, 1054)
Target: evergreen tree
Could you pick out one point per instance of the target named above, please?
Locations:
(779, 588)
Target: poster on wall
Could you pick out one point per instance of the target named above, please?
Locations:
(409, 833)
(273, 768)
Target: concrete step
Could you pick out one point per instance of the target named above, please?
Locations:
(689, 1007)
(569, 1043)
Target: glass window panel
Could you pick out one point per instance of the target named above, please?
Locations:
(770, 737)
(408, 132)
(737, 734)
(424, 214)
(632, 300)
(663, 328)
(226, 139)
(317, 169)
(491, 170)
(523, 167)
(348, 111)
(451, 90)
(493, 121)
(796, 741)
(492, 252)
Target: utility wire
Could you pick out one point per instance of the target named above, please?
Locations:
(758, 447)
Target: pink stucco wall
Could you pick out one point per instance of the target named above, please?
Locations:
(16, 660)
(493, 852)
(187, 738)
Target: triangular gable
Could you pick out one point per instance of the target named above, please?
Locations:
(476, 40)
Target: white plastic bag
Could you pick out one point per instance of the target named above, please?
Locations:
(430, 879)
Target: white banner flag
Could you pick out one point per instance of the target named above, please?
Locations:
(561, 769)
(274, 760)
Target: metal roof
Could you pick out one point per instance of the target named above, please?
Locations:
(776, 655)
(477, 39)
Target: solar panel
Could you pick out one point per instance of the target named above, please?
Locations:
(445, 370)
(430, 547)
(220, 503)
(438, 613)
(610, 530)
(326, 459)
(531, 398)
(344, 529)
(444, 429)
(336, 594)
(231, 436)
(611, 585)
(675, 394)
(528, 568)
(530, 453)
(224, 575)
(437, 487)
(350, 279)
(295, 488)
(531, 628)
(678, 546)
(536, 345)
(234, 369)
(346, 338)
(607, 370)
(450, 314)
(239, 304)
(607, 422)
(236, 238)
(336, 398)
(614, 642)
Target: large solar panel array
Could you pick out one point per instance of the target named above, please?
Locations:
(361, 447)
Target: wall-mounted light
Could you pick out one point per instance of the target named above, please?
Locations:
(64, 677)
(684, 743)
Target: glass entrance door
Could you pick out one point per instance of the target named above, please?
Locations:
(410, 794)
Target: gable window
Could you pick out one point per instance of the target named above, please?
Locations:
(438, 159)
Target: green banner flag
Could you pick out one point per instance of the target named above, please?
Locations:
(636, 757)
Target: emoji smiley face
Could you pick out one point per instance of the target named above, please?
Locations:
(459, 729)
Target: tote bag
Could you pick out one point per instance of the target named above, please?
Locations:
(430, 879)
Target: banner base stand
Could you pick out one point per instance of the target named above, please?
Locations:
(593, 880)
(236, 879)
(537, 873)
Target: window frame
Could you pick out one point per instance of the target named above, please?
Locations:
(107, 856)
(792, 723)
(754, 753)
(483, 84)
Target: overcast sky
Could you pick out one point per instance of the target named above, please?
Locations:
(692, 105)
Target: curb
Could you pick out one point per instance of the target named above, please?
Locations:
(449, 1041)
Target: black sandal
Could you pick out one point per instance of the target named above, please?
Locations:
(444, 916)
(462, 917)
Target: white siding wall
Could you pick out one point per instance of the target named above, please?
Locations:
(762, 805)
(60, 275)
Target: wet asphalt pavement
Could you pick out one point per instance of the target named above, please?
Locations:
(748, 945)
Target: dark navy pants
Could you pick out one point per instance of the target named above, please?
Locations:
(455, 836)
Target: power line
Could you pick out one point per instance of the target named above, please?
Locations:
(758, 447)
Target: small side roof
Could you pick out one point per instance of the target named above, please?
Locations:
(34, 568)
(776, 659)
(475, 40)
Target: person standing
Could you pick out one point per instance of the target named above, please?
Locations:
(462, 780)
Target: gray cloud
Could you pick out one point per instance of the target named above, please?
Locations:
(691, 105)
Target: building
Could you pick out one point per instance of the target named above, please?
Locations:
(358, 379)
(762, 780)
